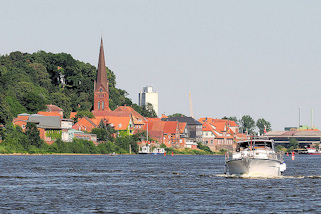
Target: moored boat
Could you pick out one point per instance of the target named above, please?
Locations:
(255, 157)
(313, 151)
(158, 151)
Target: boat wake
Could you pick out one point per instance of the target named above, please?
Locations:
(257, 176)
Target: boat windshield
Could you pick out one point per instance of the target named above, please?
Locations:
(241, 146)
(263, 145)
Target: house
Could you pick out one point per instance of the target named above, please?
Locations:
(72, 133)
(171, 133)
(123, 125)
(138, 119)
(194, 128)
(220, 133)
(85, 124)
(51, 128)
(52, 110)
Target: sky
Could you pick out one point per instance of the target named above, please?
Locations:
(257, 58)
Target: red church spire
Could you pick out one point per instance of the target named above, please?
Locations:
(101, 91)
(102, 74)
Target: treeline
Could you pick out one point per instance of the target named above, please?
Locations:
(30, 81)
(17, 141)
(248, 125)
(29, 142)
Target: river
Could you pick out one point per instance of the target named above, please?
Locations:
(152, 184)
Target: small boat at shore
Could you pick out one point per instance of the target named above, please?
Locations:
(255, 157)
(156, 151)
(313, 151)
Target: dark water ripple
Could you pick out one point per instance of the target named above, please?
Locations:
(152, 184)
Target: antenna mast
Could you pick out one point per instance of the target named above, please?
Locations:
(190, 105)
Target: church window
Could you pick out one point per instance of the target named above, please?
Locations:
(102, 105)
(100, 90)
(98, 105)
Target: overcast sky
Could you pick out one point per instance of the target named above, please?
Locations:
(261, 58)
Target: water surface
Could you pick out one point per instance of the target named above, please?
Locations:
(152, 184)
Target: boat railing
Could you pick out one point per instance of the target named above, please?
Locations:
(253, 153)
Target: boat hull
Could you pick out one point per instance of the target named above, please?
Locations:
(254, 167)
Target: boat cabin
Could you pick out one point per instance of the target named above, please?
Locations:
(254, 145)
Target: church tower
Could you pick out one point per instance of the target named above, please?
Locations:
(101, 91)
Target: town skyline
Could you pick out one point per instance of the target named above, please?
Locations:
(258, 59)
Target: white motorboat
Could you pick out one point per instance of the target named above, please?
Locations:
(158, 151)
(145, 150)
(313, 151)
(255, 157)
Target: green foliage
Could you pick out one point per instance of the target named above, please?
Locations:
(104, 131)
(6, 115)
(30, 81)
(177, 115)
(293, 143)
(234, 118)
(107, 148)
(247, 124)
(204, 148)
(14, 105)
(145, 111)
(54, 134)
(280, 148)
(261, 124)
(84, 113)
(32, 134)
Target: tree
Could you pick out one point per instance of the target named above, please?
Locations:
(81, 114)
(293, 143)
(177, 115)
(32, 133)
(247, 124)
(104, 131)
(234, 118)
(34, 102)
(5, 114)
(262, 124)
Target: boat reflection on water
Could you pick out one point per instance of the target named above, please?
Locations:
(255, 157)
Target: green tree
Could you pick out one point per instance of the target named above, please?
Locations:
(32, 133)
(34, 102)
(177, 115)
(293, 143)
(231, 119)
(5, 111)
(247, 124)
(104, 131)
(261, 124)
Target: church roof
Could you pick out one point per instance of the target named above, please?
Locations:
(101, 74)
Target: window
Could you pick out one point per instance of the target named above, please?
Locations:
(100, 90)
(102, 105)
(98, 105)
(211, 142)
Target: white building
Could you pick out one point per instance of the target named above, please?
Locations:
(147, 95)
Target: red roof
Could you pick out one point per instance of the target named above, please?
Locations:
(119, 123)
(182, 126)
(53, 108)
(51, 113)
(73, 115)
(131, 110)
(170, 127)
